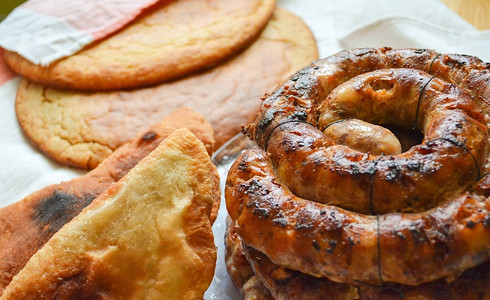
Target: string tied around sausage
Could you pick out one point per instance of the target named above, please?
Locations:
(393, 218)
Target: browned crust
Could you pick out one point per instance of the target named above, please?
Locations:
(28, 224)
(80, 129)
(175, 119)
(188, 47)
(118, 248)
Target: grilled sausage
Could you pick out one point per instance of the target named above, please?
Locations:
(288, 284)
(449, 159)
(363, 136)
(239, 269)
(326, 241)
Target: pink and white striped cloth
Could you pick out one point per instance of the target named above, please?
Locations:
(43, 31)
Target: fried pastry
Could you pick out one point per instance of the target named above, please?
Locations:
(147, 236)
(28, 224)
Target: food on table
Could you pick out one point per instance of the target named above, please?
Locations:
(285, 197)
(172, 39)
(80, 129)
(28, 224)
(147, 236)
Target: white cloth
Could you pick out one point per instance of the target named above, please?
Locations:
(43, 31)
(336, 24)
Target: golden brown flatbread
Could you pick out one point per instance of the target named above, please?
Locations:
(171, 40)
(147, 236)
(25, 226)
(80, 129)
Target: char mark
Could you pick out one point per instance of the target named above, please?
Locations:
(58, 209)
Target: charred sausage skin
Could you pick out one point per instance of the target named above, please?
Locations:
(297, 97)
(240, 270)
(450, 158)
(268, 192)
(288, 284)
(326, 241)
(285, 284)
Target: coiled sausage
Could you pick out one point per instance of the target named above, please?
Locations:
(449, 159)
(326, 241)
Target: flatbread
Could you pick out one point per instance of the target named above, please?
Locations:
(25, 226)
(79, 129)
(173, 39)
(148, 236)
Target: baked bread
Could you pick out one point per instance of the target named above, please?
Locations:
(27, 225)
(172, 39)
(80, 129)
(147, 236)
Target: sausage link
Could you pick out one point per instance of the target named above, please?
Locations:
(288, 284)
(364, 137)
(326, 241)
(239, 269)
(472, 284)
(295, 99)
(449, 160)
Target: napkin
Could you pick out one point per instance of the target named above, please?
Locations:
(336, 24)
(43, 31)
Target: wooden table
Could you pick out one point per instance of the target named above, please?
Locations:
(475, 12)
